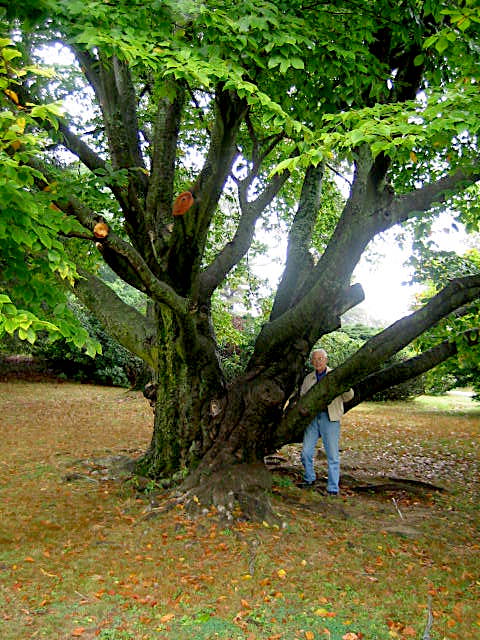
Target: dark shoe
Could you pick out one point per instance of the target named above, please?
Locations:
(305, 485)
(332, 493)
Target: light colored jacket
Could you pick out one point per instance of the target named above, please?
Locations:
(335, 408)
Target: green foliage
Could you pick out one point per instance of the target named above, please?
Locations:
(439, 380)
(114, 365)
(433, 269)
(236, 335)
(339, 347)
(33, 258)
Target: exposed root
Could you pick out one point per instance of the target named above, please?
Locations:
(238, 492)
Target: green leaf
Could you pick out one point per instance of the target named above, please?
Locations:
(442, 44)
(10, 325)
(297, 63)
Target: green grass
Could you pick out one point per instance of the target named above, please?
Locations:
(82, 558)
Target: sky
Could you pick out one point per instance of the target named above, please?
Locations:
(388, 296)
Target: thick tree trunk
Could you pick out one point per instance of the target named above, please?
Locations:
(183, 401)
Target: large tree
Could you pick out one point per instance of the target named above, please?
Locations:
(193, 102)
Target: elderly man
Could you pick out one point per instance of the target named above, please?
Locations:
(325, 425)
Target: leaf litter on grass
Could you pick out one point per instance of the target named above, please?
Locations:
(78, 556)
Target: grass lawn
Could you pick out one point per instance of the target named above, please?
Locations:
(81, 556)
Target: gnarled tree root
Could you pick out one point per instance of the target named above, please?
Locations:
(241, 491)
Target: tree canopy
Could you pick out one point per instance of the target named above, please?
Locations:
(230, 115)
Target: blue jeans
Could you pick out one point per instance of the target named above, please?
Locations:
(322, 427)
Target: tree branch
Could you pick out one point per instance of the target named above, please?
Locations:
(375, 351)
(410, 204)
(133, 330)
(79, 148)
(239, 245)
(146, 279)
(165, 138)
(401, 372)
(299, 261)
(192, 229)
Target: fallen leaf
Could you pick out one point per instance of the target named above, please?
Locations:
(309, 635)
(281, 573)
(79, 631)
(324, 613)
(350, 636)
(167, 617)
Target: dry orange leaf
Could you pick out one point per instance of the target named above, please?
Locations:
(409, 631)
(167, 617)
(350, 636)
(79, 631)
(309, 635)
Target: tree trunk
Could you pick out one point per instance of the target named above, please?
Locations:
(184, 388)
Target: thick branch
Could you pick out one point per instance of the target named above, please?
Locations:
(133, 330)
(401, 372)
(229, 110)
(149, 283)
(377, 350)
(79, 148)
(118, 103)
(411, 204)
(165, 139)
(299, 260)
(191, 230)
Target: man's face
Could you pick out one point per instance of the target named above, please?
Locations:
(319, 361)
